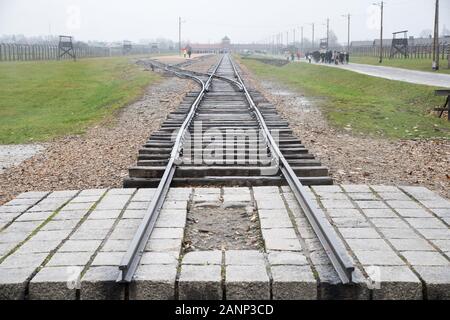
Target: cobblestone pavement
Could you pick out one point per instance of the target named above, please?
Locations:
(68, 245)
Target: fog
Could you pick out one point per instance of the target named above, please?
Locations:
(210, 20)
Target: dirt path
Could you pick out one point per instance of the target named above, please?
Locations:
(100, 157)
(353, 158)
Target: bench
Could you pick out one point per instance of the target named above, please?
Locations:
(446, 107)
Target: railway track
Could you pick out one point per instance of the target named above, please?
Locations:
(225, 134)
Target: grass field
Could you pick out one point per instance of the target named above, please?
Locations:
(369, 105)
(43, 100)
(413, 64)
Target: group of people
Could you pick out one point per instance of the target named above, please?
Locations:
(187, 52)
(329, 57)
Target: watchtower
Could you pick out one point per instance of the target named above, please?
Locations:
(399, 45)
(65, 47)
(127, 47)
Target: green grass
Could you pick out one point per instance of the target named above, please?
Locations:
(367, 105)
(43, 100)
(412, 64)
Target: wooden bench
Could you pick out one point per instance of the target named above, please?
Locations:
(446, 107)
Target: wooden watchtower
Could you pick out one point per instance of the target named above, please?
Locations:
(399, 45)
(65, 47)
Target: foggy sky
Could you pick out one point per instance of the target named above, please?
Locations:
(210, 20)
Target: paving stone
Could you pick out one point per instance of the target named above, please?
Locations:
(23, 261)
(60, 225)
(167, 233)
(99, 283)
(104, 214)
(32, 195)
(249, 282)
(270, 204)
(399, 233)
(164, 245)
(27, 226)
(116, 245)
(435, 234)
(63, 259)
(129, 224)
(200, 282)
(389, 223)
(331, 196)
(51, 235)
(276, 222)
(403, 204)
(13, 209)
(6, 248)
(275, 213)
(154, 282)
(371, 205)
(356, 188)
(443, 213)
(159, 258)
(293, 283)
(359, 233)
(92, 234)
(368, 244)
(343, 213)
(120, 191)
(80, 246)
(134, 214)
(49, 205)
(207, 191)
(55, 283)
(138, 205)
(174, 204)
(277, 258)
(353, 222)
(244, 258)
(395, 283)
(319, 257)
(85, 199)
(172, 220)
(63, 194)
(385, 188)
(444, 245)
(92, 192)
(146, 195)
(326, 189)
(337, 204)
(425, 258)
(122, 234)
(78, 206)
(22, 202)
(378, 258)
(437, 281)
(363, 196)
(13, 282)
(35, 216)
(280, 244)
(379, 213)
(394, 196)
(113, 202)
(437, 203)
(414, 213)
(426, 223)
(13, 237)
(70, 215)
(33, 246)
(313, 245)
(108, 259)
(282, 233)
(411, 245)
(203, 258)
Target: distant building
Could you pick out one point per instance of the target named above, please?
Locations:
(226, 46)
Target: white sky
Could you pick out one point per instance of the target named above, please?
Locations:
(210, 20)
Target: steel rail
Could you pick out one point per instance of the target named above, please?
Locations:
(175, 69)
(132, 257)
(334, 248)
